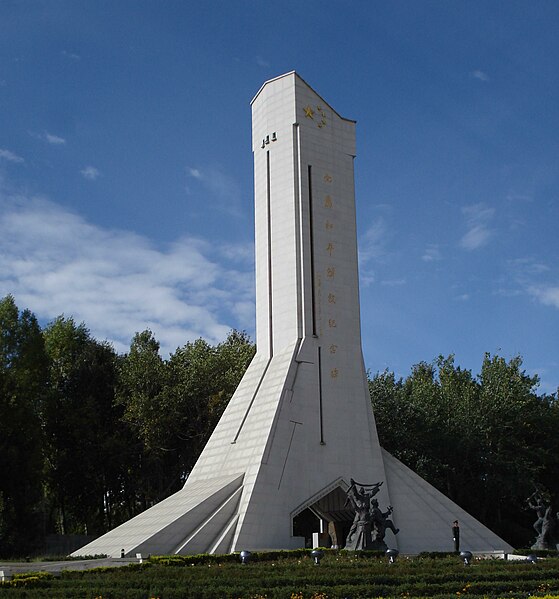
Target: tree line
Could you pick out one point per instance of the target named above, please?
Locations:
(89, 437)
(485, 441)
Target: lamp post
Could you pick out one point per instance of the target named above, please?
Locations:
(466, 557)
(245, 556)
(317, 555)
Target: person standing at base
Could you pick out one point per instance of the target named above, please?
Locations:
(456, 535)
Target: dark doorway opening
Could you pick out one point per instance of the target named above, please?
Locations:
(304, 524)
(329, 519)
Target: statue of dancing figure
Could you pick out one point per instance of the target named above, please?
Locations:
(380, 523)
(359, 536)
(546, 525)
(535, 502)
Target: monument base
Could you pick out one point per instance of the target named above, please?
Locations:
(202, 517)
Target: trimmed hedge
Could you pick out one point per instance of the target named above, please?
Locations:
(289, 576)
(538, 552)
(256, 556)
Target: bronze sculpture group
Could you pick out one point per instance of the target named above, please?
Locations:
(370, 522)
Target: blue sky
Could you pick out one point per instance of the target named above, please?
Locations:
(126, 195)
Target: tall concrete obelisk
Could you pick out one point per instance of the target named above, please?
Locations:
(300, 425)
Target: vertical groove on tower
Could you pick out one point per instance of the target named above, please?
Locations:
(311, 239)
(298, 225)
(269, 215)
(320, 396)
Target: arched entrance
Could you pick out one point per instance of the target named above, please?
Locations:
(325, 519)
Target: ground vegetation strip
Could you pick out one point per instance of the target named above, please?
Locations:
(89, 437)
(337, 576)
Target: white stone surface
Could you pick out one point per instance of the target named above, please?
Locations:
(164, 527)
(425, 515)
(300, 423)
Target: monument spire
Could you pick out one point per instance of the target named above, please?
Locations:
(300, 425)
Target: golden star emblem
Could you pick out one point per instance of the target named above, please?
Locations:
(309, 112)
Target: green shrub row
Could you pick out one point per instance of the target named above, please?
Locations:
(256, 556)
(538, 552)
(338, 576)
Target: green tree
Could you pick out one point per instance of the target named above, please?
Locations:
(23, 379)
(143, 378)
(509, 420)
(482, 441)
(396, 418)
(83, 429)
(174, 405)
(546, 436)
(203, 379)
(426, 422)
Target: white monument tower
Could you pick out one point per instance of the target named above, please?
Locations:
(300, 424)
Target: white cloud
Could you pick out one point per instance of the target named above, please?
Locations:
(393, 282)
(432, 253)
(519, 197)
(90, 172)
(372, 250)
(372, 244)
(532, 277)
(71, 55)
(223, 190)
(261, 62)
(475, 238)
(477, 74)
(366, 278)
(549, 296)
(524, 268)
(50, 138)
(117, 282)
(55, 140)
(478, 212)
(238, 252)
(384, 207)
(10, 156)
(478, 217)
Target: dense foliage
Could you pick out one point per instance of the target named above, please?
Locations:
(286, 577)
(486, 441)
(89, 438)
